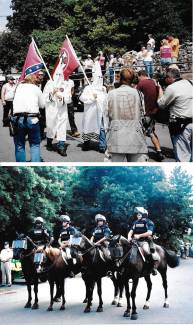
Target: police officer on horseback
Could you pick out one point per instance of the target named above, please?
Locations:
(40, 234)
(66, 233)
(101, 235)
(142, 230)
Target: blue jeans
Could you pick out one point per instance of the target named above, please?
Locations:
(149, 68)
(61, 144)
(25, 127)
(102, 140)
(111, 75)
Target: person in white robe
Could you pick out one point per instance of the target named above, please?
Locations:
(94, 123)
(56, 100)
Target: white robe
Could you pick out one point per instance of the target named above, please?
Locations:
(56, 111)
(94, 112)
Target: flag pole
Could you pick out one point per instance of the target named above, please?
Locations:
(78, 61)
(41, 58)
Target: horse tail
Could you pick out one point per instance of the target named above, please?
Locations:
(171, 258)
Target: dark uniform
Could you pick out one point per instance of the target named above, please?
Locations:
(100, 232)
(141, 226)
(66, 233)
(40, 236)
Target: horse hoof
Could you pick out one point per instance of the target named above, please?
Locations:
(134, 317)
(85, 301)
(28, 305)
(99, 309)
(126, 314)
(57, 299)
(62, 307)
(145, 307)
(35, 306)
(119, 304)
(166, 305)
(114, 302)
(50, 309)
(87, 310)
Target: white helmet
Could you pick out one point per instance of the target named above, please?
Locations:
(145, 212)
(140, 210)
(65, 218)
(100, 217)
(39, 220)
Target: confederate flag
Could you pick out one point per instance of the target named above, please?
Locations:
(33, 62)
(66, 63)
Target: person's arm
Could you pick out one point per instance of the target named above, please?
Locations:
(130, 234)
(88, 97)
(167, 98)
(3, 90)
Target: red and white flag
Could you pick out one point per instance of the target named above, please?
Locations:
(66, 63)
(33, 62)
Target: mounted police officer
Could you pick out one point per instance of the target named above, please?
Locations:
(101, 235)
(142, 230)
(66, 233)
(39, 234)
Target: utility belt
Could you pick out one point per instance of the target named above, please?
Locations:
(26, 115)
(13, 125)
(177, 124)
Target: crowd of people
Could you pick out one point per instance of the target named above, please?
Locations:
(116, 118)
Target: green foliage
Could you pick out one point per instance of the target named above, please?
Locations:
(92, 25)
(28, 192)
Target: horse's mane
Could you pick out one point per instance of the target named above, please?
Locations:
(52, 251)
(124, 241)
(87, 240)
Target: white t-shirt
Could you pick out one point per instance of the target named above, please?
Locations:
(148, 56)
(8, 92)
(6, 254)
(28, 99)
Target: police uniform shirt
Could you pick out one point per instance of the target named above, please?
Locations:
(143, 225)
(100, 232)
(66, 233)
(40, 235)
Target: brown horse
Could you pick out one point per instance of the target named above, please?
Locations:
(58, 270)
(133, 266)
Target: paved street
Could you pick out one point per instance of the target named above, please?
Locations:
(180, 298)
(75, 154)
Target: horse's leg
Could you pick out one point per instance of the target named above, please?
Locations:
(163, 273)
(62, 293)
(99, 290)
(51, 283)
(127, 293)
(134, 315)
(58, 294)
(149, 287)
(90, 287)
(120, 288)
(116, 289)
(28, 303)
(35, 305)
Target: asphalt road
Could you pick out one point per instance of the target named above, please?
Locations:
(75, 154)
(180, 291)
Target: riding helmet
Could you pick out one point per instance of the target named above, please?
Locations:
(100, 217)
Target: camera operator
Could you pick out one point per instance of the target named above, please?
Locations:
(178, 98)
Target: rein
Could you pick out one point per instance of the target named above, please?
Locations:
(27, 255)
